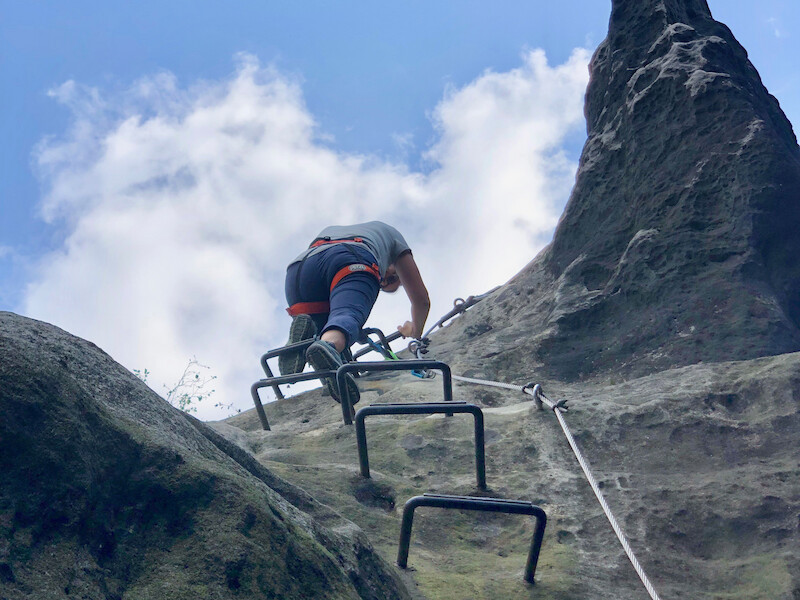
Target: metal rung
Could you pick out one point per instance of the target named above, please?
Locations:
(426, 409)
(273, 382)
(296, 377)
(299, 346)
(451, 403)
(469, 503)
(480, 499)
(390, 365)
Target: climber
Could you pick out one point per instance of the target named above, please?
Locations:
(332, 286)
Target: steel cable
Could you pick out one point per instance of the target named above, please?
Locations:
(599, 495)
(558, 408)
(420, 347)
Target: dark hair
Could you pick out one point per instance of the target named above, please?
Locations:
(389, 280)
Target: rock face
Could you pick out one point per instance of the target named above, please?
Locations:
(699, 465)
(666, 309)
(680, 240)
(677, 251)
(106, 491)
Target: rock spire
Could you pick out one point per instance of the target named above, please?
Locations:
(680, 240)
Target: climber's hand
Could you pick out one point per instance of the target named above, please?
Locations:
(406, 329)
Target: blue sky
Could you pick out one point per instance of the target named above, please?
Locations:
(397, 102)
(367, 74)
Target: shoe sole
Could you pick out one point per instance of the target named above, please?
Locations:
(323, 359)
(302, 328)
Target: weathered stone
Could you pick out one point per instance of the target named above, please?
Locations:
(676, 254)
(699, 465)
(677, 249)
(106, 491)
(680, 240)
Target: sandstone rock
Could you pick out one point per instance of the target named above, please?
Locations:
(698, 464)
(106, 491)
(675, 253)
(666, 309)
(679, 243)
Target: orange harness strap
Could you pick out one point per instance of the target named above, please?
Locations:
(308, 308)
(357, 268)
(323, 241)
(315, 308)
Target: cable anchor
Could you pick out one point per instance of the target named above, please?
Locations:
(419, 347)
(536, 393)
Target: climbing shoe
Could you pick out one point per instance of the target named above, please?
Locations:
(302, 328)
(324, 357)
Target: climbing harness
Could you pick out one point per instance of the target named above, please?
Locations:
(309, 308)
(326, 240)
(323, 306)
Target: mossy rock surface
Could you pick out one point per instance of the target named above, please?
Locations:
(108, 492)
(698, 465)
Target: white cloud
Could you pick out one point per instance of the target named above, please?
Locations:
(182, 207)
(503, 175)
(777, 28)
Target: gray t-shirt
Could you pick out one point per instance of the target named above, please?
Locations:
(384, 241)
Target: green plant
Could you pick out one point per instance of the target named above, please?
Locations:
(192, 387)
